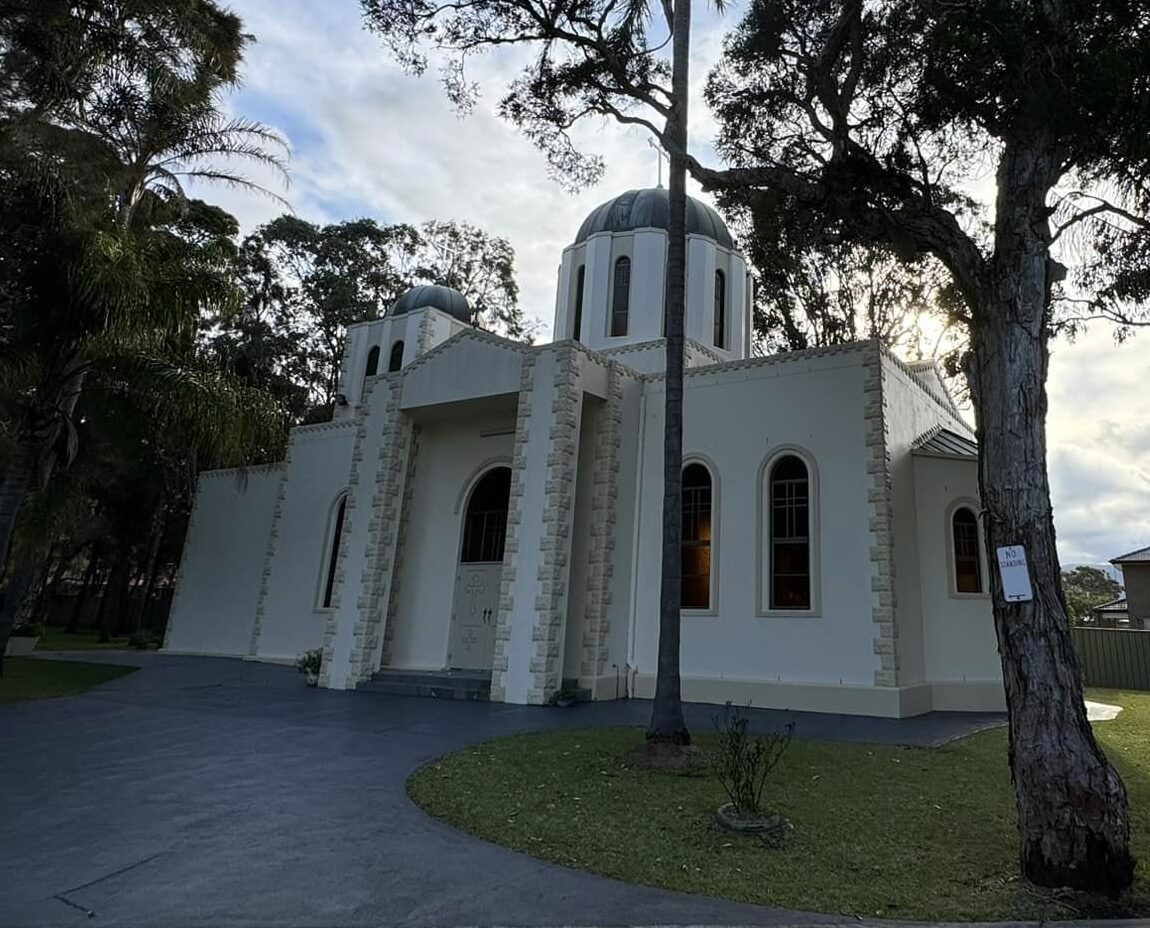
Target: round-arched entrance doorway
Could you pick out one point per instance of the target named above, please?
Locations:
(480, 571)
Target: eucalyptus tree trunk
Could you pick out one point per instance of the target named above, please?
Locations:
(13, 488)
(667, 723)
(1072, 809)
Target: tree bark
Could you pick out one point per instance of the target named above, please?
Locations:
(667, 723)
(1072, 808)
(159, 521)
(13, 489)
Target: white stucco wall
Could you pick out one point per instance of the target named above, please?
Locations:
(959, 640)
(215, 601)
(453, 453)
(474, 364)
(319, 461)
(737, 419)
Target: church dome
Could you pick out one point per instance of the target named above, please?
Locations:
(646, 209)
(447, 299)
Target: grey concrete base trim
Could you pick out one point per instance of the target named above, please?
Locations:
(844, 699)
(183, 652)
(969, 696)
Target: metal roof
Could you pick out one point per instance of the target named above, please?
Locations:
(1115, 605)
(943, 443)
(648, 209)
(1142, 555)
(447, 299)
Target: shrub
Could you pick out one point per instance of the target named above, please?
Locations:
(141, 641)
(743, 761)
(309, 661)
(27, 630)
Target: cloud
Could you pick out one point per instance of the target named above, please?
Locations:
(371, 140)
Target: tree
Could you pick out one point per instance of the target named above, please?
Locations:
(304, 284)
(874, 119)
(591, 58)
(106, 266)
(1085, 588)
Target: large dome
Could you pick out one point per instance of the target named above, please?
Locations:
(645, 209)
(447, 299)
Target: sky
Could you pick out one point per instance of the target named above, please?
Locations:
(369, 140)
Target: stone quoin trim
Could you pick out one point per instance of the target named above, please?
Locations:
(400, 548)
(349, 516)
(425, 334)
(601, 553)
(269, 556)
(514, 520)
(559, 493)
(882, 536)
(383, 525)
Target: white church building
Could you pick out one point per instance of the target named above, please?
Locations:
(480, 509)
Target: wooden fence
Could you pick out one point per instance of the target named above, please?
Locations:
(1115, 657)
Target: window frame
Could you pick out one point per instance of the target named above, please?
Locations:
(763, 547)
(951, 559)
(615, 290)
(720, 335)
(332, 538)
(707, 464)
(392, 367)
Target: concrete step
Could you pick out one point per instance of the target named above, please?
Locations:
(445, 684)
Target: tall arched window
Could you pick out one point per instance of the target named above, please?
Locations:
(697, 532)
(332, 553)
(372, 362)
(621, 297)
(967, 567)
(720, 309)
(395, 362)
(577, 329)
(790, 549)
(485, 524)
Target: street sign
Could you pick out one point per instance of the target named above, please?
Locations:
(1015, 574)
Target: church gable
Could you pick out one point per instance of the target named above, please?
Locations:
(469, 365)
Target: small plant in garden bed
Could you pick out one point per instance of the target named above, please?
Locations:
(742, 763)
(26, 630)
(308, 664)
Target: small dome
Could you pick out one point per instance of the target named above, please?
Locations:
(447, 299)
(646, 209)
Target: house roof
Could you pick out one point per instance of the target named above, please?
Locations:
(1142, 555)
(938, 442)
(1115, 605)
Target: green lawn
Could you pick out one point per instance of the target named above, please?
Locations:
(56, 639)
(32, 678)
(878, 831)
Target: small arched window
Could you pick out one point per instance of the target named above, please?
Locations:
(967, 566)
(621, 297)
(577, 329)
(395, 362)
(790, 534)
(332, 553)
(372, 362)
(720, 309)
(485, 524)
(698, 527)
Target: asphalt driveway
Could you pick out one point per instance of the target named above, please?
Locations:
(200, 791)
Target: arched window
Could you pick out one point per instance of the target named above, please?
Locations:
(621, 297)
(333, 553)
(697, 533)
(967, 568)
(395, 362)
(577, 329)
(485, 525)
(720, 309)
(372, 362)
(790, 528)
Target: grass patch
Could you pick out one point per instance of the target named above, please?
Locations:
(31, 678)
(56, 639)
(878, 830)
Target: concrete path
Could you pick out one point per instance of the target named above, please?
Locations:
(205, 792)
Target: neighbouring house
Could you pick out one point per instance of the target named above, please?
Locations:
(1112, 614)
(1134, 605)
(484, 510)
